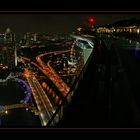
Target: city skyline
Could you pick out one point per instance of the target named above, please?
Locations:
(57, 23)
(48, 80)
(40, 73)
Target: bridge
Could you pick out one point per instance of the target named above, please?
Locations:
(4, 81)
(4, 109)
(44, 106)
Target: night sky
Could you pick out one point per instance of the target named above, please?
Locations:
(56, 23)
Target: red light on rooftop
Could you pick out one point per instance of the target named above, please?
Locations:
(91, 20)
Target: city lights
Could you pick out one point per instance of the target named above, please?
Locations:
(59, 67)
(41, 72)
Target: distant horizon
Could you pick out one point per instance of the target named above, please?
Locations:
(57, 23)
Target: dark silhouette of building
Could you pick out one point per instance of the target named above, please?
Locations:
(8, 56)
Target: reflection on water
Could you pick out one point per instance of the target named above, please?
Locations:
(137, 50)
(11, 94)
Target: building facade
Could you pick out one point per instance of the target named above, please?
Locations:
(8, 50)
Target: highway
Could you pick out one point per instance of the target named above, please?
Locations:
(50, 72)
(56, 79)
(44, 106)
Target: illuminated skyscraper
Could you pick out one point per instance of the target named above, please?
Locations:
(8, 50)
(9, 36)
(35, 37)
(27, 38)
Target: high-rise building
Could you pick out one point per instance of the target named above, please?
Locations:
(8, 56)
(35, 37)
(9, 36)
(27, 38)
(8, 50)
